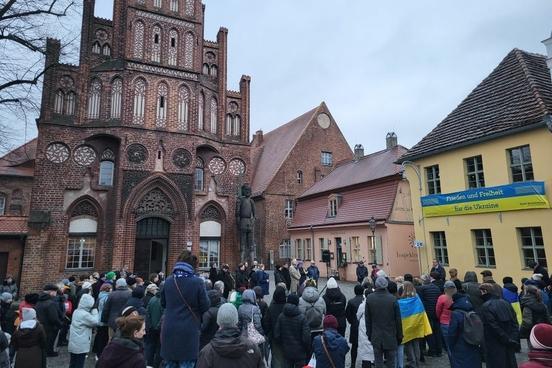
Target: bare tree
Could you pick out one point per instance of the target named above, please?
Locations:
(24, 27)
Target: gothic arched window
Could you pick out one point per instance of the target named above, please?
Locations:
(96, 49)
(198, 182)
(70, 103)
(138, 47)
(173, 47)
(205, 69)
(236, 125)
(214, 71)
(189, 50)
(58, 102)
(183, 107)
(116, 94)
(139, 101)
(156, 44)
(106, 50)
(107, 169)
(200, 111)
(214, 113)
(94, 98)
(161, 116)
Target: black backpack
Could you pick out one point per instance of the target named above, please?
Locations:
(314, 317)
(473, 328)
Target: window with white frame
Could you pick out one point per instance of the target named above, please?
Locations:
(323, 245)
(139, 101)
(158, 3)
(433, 179)
(308, 249)
(106, 50)
(532, 245)
(116, 95)
(440, 247)
(484, 247)
(214, 113)
(173, 47)
(214, 71)
(521, 166)
(332, 207)
(81, 244)
(288, 209)
(156, 44)
(326, 158)
(2, 204)
(107, 169)
(183, 108)
(284, 251)
(474, 172)
(205, 69)
(356, 256)
(96, 49)
(236, 126)
(299, 249)
(162, 97)
(299, 177)
(94, 97)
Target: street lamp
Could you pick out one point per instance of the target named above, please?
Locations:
(372, 225)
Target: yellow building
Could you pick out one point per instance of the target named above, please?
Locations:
(482, 200)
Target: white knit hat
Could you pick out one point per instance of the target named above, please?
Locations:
(331, 284)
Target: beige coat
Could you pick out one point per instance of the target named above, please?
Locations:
(295, 276)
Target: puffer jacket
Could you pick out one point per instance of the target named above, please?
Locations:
(229, 349)
(337, 348)
(429, 293)
(249, 309)
(533, 312)
(84, 319)
(311, 297)
(365, 350)
(209, 324)
(293, 333)
(335, 305)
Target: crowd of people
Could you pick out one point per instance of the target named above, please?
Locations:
(222, 319)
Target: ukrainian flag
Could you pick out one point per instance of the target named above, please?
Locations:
(415, 323)
(513, 299)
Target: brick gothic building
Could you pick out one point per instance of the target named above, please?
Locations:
(141, 151)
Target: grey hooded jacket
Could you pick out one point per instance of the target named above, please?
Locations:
(311, 296)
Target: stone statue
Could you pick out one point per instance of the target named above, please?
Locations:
(245, 219)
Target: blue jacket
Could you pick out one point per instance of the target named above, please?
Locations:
(313, 273)
(181, 325)
(463, 355)
(262, 280)
(337, 348)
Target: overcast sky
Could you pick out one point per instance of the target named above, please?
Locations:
(380, 66)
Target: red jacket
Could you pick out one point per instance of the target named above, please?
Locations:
(538, 359)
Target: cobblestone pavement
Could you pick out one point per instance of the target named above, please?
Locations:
(347, 288)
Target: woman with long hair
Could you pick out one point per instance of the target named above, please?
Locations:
(126, 349)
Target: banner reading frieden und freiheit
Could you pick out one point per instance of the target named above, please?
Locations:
(511, 197)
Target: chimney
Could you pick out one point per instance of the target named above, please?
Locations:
(548, 44)
(359, 152)
(258, 138)
(390, 140)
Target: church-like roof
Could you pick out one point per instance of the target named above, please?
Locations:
(517, 95)
(20, 161)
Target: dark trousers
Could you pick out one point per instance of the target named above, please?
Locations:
(152, 348)
(292, 364)
(435, 340)
(366, 364)
(385, 358)
(354, 350)
(101, 340)
(63, 333)
(51, 334)
(77, 360)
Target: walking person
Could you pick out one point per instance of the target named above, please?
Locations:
(442, 310)
(383, 324)
(501, 329)
(533, 311)
(85, 318)
(330, 348)
(29, 342)
(185, 300)
(125, 350)
(50, 316)
(351, 315)
(335, 304)
(464, 352)
(292, 333)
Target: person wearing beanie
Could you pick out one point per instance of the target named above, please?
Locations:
(350, 313)
(501, 338)
(335, 304)
(274, 310)
(383, 324)
(114, 305)
(540, 354)
(442, 310)
(229, 347)
(292, 332)
(29, 341)
(510, 294)
(50, 315)
(330, 348)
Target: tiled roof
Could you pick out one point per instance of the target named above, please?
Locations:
(370, 167)
(275, 148)
(357, 205)
(516, 95)
(11, 225)
(19, 162)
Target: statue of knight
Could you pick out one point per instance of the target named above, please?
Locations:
(245, 219)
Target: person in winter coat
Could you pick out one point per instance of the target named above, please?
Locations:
(533, 312)
(330, 348)
(365, 353)
(463, 354)
(114, 304)
(263, 306)
(311, 299)
(229, 348)
(136, 300)
(510, 294)
(242, 279)
(313, 272)
(335, 304)
(228, 280)
(540, 356)
(213, 273)
(440, 270)
(185, 300)
(501, 329)
(383, 324)
(6, 300)
(209, 321)
(453, 272)
(274, 310)
(295, 276)
(284, 272)
(151, 290)
(537, 268)
(249, 311)
(9, 286)
(102, 331)
(361, 272)
(80, 334)
(350, 313)
(152, 343)
(125, 350)
(50, 316)
(263, 279)
(471, 288)
(292, 333)
(429, 294)
(29, 342)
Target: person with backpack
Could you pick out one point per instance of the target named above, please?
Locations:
(313, 307)
(330, 348)
(533, 312)
(335, 304)
(464, 334)
(350, 313)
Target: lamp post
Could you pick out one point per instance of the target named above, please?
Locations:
(372, 225)
(421, 221)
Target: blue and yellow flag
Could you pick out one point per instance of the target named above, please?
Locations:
(415, 323)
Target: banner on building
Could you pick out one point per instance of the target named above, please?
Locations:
(511, 197)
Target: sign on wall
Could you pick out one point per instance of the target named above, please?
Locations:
(517, 196)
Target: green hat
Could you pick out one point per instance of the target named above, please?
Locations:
(110, 275)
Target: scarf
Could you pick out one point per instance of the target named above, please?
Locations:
(183, 269)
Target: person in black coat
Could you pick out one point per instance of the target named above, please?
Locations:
(284, 271)
(335, 304)
(136, 300)
(537, 268)
(274, 310)
(293, 333)
(439, 269)
(114, 304)
(383, 324)
(361, 272)
(209, 321)
(351, 313)
(50, 316)
(242, 277)
(429, 293)
(213, 273)
(501, 330)
(229, 282)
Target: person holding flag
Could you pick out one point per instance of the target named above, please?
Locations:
(415, 323)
